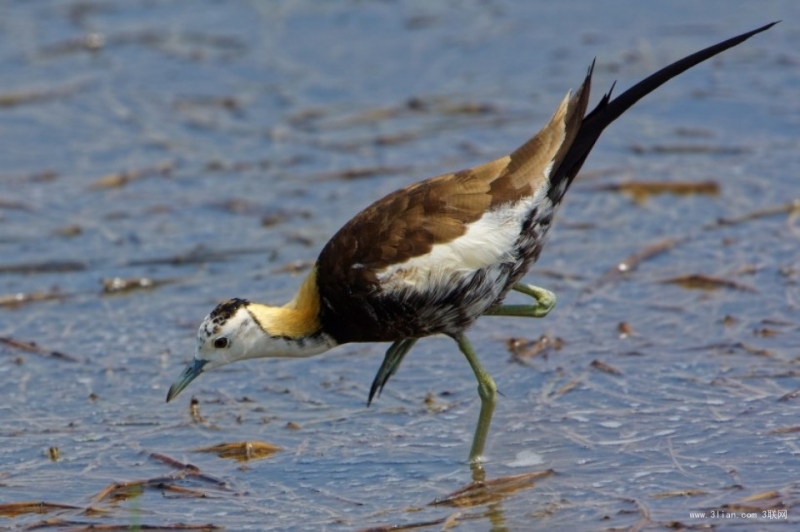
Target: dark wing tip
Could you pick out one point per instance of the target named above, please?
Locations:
(391, 361)
(374, 388)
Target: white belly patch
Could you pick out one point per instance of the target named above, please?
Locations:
(488, 241)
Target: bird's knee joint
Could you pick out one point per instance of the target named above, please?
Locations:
(487, 389)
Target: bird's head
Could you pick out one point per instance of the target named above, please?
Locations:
(238, 329)
(229, 333)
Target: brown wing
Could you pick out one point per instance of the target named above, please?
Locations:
(407, 223)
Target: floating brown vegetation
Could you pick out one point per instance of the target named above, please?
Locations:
(79, 526)
(315, 119)
(766, 332)
(13, 99)
(119, 491)
(118, 285)
(50, 266)
(10, 204)
(187, 470)
(17, 300)
(194, 411)
(522, 349)
(54, 453)
(566, 387)
(606, 368)
(794, 394)
(434, 405)
(775, 502)
(482, 492)
(699, 281)
(736, 347)
(228, 103)
(651, 250)
(15, 509)
(39, 176)
(94, 41)
(785, 430)
(632, 262)
(198, 255)
(625, 329)
(365, 172)
(683, 149)
(113, 494)
(791, 207)
(218, 165)
(640, 191)
(122, 491)
(269, 217)
(68, 231)
(446, 522)
(242, 451)
(31, 347)
(120, 179)
(446, 106)
(221, 165)
(679, 493)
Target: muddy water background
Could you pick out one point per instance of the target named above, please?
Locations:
(212, 148)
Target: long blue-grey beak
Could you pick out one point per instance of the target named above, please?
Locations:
(191, 372)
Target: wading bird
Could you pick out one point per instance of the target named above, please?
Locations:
(432, 257)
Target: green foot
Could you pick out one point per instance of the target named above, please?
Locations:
(545, 301)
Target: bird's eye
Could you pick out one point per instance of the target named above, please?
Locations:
(221, 342)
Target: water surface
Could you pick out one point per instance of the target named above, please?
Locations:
(210, 149)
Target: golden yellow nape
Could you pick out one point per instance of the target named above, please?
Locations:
(296, 319)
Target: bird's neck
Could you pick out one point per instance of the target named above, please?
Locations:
(297, 323)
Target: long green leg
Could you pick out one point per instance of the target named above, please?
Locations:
(545, 301)
(391, 361)
(487, 390)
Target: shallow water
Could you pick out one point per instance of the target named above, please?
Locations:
(212, 150)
